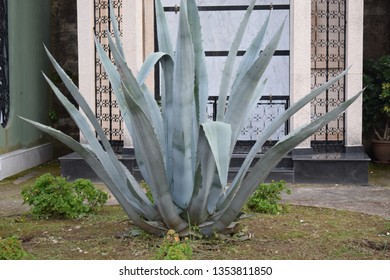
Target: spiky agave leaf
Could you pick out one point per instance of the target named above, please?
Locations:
(260, 171)
(201, 90)
(243, 95)
(184, 108)
(228, 68)
(135, 213)
(107, 157)
(145, 124)
(242, 102)
(276, 123)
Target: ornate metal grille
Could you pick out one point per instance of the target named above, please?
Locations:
(107, 111)
(267, 109)
(327, 61)
(4, 82)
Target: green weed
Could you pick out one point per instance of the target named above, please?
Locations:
(266, 198)
(11, 249)
(54, 197)
(172, 248)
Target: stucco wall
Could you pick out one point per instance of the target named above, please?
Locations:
(29, 27)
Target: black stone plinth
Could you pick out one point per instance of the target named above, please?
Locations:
(73, 167)
(342, 168)
(338, 168)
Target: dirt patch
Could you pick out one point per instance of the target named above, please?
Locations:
(11, 203)
(380, 246)
(302, 233)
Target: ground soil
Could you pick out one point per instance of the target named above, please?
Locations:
(323, 222)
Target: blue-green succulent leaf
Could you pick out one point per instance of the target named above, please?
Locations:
(228, 69)
(184, 108)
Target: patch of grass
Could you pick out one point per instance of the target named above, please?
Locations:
(379, 174)
(387, 226)
(302, 233)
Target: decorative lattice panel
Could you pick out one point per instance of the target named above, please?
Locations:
(327, 61)
(107, 111)
(268, 108)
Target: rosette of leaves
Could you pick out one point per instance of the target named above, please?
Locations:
(183, 156)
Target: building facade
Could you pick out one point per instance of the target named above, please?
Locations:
(25, 26)
(321, 39)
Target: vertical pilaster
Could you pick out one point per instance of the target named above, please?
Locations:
(300, 63)
(137, 39)
(86, 54)
(354, 58)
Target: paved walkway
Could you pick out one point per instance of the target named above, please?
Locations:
(365, 199)
(372, 200)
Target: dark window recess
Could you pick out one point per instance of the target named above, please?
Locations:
(4, 75)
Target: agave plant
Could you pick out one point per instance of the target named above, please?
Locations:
(183, 156)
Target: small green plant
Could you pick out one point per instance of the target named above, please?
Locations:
(266, 198)
(172, 248)
(11, 249)
(55, 197)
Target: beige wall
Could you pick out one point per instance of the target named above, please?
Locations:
(300, 32)
(354, 58)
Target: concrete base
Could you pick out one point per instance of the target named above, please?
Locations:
(339, 168)
(73, 167)
(344, 168)
(17, 161)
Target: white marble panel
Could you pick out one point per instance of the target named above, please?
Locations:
(226, 2)
(277, 74)
(20, 160)
(220, 27)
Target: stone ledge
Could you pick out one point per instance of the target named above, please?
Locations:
(20, 160)
(342, 168)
